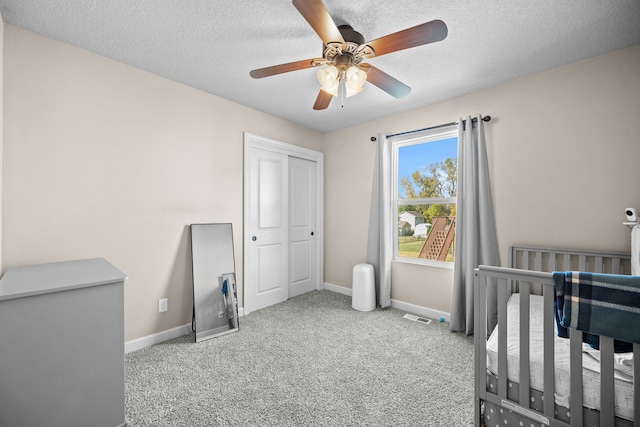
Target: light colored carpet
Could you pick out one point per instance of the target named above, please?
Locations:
(310, 361)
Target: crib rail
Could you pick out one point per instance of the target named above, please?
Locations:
(539, 258)
(503, 279)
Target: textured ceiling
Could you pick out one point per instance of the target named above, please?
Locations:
(212, 45)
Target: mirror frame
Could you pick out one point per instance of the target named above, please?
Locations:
(215, 301)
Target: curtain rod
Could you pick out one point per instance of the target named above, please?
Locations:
(484, 119)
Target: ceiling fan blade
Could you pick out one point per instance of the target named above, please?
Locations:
(323, 100)
(387, 83)
(426, 33)
(283, 68)
(318, 17)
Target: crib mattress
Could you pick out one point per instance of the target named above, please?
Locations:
(590, 361)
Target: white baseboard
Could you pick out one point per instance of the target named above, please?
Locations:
(157, 338)
(422, 311)
(400, 305)
(337, 288)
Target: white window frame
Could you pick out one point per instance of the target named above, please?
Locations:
(400, 141)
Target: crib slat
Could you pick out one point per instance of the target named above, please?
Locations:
(575, 363)
(606, 382)
(582, 263)
(552, 262)
(636, 384)
(480, 342)
(537, 266)
(615, 266)
(598, 266)
(525, 260)
(524, 344)
(502, 338)
(548, 345)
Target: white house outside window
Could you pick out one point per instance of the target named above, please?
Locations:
(424, 173)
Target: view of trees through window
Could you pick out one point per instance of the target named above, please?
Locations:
(426, 175)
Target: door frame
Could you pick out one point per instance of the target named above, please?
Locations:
(252, 141)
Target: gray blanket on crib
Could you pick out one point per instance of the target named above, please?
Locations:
(600, 304)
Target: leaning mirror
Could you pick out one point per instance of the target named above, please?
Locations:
(215, 306)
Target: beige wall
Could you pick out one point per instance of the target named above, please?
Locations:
(104, 160)
(564, 156)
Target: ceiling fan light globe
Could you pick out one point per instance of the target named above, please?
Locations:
(350, 92)
(332, 87)
(356, 78)
(327, 76)
(332, 91)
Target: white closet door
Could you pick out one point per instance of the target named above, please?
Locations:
(268, 228)
(302, 223)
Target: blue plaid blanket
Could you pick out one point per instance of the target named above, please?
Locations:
(598, 304)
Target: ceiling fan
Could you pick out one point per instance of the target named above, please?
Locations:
(344, 51)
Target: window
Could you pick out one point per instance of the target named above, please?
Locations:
(425, 178)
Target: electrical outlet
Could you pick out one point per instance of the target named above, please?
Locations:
(163, 305)
(220, 314)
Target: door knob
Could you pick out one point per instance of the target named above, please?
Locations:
(312, 233)
(254, 238)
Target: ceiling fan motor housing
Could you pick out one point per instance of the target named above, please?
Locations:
(351, 52)
(351, 35)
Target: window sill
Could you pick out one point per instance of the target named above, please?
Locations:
(427, 263)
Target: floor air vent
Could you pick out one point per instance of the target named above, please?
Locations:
(417, 318)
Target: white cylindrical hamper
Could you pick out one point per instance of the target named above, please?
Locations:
(363, 291)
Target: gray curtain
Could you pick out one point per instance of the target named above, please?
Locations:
(380, 244)
(476, 240)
